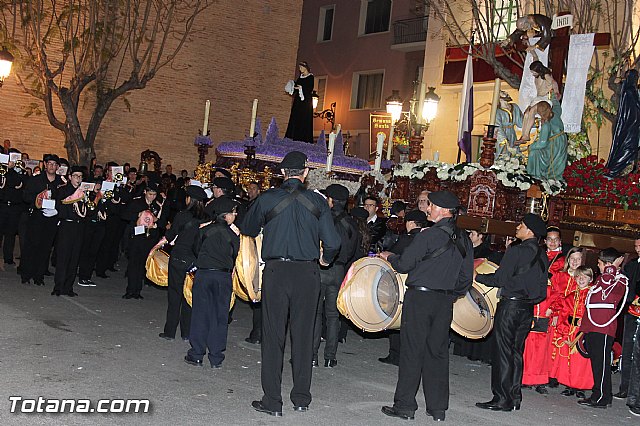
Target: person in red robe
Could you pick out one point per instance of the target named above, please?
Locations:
(538, 343)
(571, 368)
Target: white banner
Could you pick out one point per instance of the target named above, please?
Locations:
(580, 53)
(527, 85)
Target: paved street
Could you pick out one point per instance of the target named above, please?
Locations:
(98, 346)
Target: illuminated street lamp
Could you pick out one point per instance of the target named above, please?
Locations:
(6, 60)
(394, 107)
(430, 106)
(328, 114)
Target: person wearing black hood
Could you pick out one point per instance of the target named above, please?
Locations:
(181, 236)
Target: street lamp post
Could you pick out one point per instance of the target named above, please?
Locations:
(429, 112)
(6, 60)
(394, 107)
(328, 114)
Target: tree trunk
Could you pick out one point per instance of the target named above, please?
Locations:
(78, 151)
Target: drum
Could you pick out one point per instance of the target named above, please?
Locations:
(371, 295)
(158, 268)
(473, 314)
(249, 267)
(188, 295)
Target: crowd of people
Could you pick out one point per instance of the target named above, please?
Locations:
(556, 321)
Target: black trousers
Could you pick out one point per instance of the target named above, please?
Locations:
(22, 234)
(633, 398)
(394, 345)
(512, 324)
(256, 329)
(41, 232)
(599, 346)
(330, 280)
(290, 290)
(209, 319)
(91, 242)
(630, 328)
(178, 310)
(68, 246)
(110, 247)
(9, 220)
(139, 248)
(426, 318)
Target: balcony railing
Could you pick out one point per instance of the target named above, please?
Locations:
(410, 30)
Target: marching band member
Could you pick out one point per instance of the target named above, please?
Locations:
(599, 325)
(98, 209)
(11, 207)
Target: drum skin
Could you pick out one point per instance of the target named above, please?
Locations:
(372, 294)
(157, 266)
(188, 294)
(249, 267)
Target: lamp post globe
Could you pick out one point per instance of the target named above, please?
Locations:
(314, 99)
(430, 105)
(394, 105)
(6, 61)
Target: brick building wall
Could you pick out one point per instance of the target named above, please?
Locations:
(241, 51)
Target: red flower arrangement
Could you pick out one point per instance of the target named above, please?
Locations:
(587, 178)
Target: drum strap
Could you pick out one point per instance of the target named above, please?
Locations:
(293, 196)
(525, 268)
(453, 240)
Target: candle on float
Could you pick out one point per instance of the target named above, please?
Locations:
(254, 110)
(380, 144)
(436, 156)
(390, 144)
(494, 102)
(205, 125)
(332, 144)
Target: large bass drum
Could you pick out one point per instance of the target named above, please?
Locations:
(371, 295)
(249, 267)
(157, 268)
(473, 314)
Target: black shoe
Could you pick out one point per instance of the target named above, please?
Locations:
(86, 283)
(393, 412)
(495, 406)
(165, 336)
(38, 283)
(591, 403)
(48, 273)
(259, 406)
(621, 395)
(138, 296)
(101, 275)
(216, 365)
(252, 341)
(389, 360)
(635, 411)
(438, 415)
(314, 362)
(55, 293)
(191, 361)
(112, 269)
(342, 340)
(72, 294)
(553, 383)
(580, 394)
(128, 296)
(568, 392)
(301, 408)
(25, 280)
(9, 262)
(330, 363)
(542, 390)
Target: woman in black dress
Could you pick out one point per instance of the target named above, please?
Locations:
(300, 126)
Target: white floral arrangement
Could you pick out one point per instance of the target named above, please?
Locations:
(380, 178)
(509, 170)
(319, 179)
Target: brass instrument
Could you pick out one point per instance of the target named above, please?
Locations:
(4, 169)
(108, 195)
(118, 177)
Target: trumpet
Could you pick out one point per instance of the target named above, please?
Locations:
(4, 169)
(19, 167)
(108, 195)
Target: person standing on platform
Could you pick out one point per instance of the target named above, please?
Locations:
(181, 235)
(522, 279)
(439, 262)
(415, 220)
(331, 276)
(605, 302)
(295, 221)
(42, 225)
(300, 127)
(216, 247)
(72, 211)
(632, 271)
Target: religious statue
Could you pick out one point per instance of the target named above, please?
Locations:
(626, 135)
(508, 117)
(548, 153)
(533, 25)
(546, 90)
(300, 126)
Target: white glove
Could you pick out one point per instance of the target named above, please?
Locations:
(289, 87)
(49, 212)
